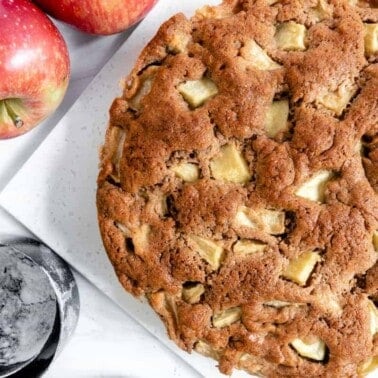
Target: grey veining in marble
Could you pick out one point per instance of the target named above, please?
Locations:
(27, 307)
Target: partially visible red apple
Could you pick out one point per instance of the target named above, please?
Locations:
(97, 16)
(34, 67)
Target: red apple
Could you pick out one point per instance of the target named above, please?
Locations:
(97, 16)
(34, 67)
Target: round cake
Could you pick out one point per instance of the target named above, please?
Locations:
(238, 185)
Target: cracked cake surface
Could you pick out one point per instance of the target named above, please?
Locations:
(238, 185)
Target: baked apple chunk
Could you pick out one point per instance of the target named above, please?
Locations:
(375, 240)
(371, 38)
(369, 366)
(251, 364)
(227, 317)
(315, 350)
(373, 311)
(280, 304)
(125, 231)
(247, 247)
(314, 188)
(300, 269)
(193, 293)
(336, 101)
(230, 165)
(146, 81)
(208, 250)
(206, 350)
(322, 10)
(117, 137)
(197, 92)
(178, 42)
(186, 171)
(257, 57)
(276, 118)
(291, 36)
(140, 237)
(270, 221)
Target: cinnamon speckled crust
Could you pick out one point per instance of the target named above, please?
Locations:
(148, 214)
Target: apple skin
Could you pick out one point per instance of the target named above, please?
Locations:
(100, 17)
(34, 67)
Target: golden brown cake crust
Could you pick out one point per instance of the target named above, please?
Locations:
(158, 225)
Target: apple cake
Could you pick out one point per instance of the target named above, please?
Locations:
(238, 185)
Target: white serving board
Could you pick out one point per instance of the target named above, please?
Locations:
(53, 194)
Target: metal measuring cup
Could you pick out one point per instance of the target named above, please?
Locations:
(56, 299)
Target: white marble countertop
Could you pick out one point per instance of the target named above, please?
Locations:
(107, 342)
